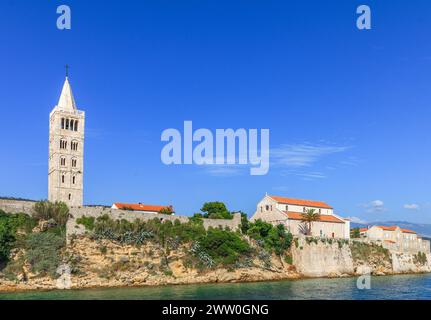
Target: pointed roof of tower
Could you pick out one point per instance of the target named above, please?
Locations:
(66, 102)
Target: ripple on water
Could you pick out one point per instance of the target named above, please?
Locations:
(387, 287)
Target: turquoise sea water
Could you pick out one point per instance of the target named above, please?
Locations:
(387, 287)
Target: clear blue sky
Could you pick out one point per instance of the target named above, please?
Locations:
(348, 110)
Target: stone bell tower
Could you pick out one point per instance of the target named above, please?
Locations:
(66, 150)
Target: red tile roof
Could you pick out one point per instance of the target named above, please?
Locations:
(389, 228)
(323, 217)
(141, 207)
(408, 231)
(301, 202)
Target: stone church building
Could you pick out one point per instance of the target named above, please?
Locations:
(66, 150)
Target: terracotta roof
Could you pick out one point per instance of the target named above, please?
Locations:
(389, 241)
(363, 229)
(390, 228)
(407, 231)
(301, 202)
(323, 217)
(141, 207)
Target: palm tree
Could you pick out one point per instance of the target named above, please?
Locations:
(309, 217)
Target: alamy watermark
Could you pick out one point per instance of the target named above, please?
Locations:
(364, 281)
(64, 21)
(228, 147)
(364, 20)
(64, 280)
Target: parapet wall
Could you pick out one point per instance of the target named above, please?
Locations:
(116, 214)
(16, 206)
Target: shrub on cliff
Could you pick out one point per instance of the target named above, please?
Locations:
(224, 246)
(43, 252)
(87, 222)
(10, 224)
(45, 210)
(275, 239)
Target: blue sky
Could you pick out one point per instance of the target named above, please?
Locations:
(348, 110)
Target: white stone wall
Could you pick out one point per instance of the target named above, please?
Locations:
(73, 228)
(300, 209)
(319, 229)
(16, 206)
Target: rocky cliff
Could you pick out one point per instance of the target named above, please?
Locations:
(102, 263)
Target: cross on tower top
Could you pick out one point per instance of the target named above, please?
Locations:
(67, 70)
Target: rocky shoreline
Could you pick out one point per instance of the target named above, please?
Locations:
(118, 265)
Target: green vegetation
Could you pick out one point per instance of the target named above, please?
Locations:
(309, 217)
(40, 249)
(216, 210)
(420, 258)
(208, 248)
(167, 210)
(355, 233)
(288, 259)
(58, 211)
(275, 239)
(245, 224)
(369, 252)
(87, 222)
(43, 252)
(10, 226)
(225, 247)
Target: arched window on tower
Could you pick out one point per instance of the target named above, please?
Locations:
(74, 146)
(73, 163)
(76, 125)
(63, 161)
(71, 124)
(62, 123)
(63, 144)
(62, 178)
(67, 124)
(73, 180)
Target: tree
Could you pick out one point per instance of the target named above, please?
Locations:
(216, 210)
(275, 239)
(245, 224)
(7, 237)
(310, 216)
(355, 233)
(167, 210)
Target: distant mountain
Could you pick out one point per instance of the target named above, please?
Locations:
(422, 229)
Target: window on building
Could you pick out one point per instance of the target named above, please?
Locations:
(67, 124)
(333, 235)
(62, 123)
(320, 211)
(304, 209)
(73, 180)
(62, 161)
(72, 124)
(287, 208)
(62, 178)
(267, 207)
(70, 196)
(74, 146)
(76, 125)
(63, 144)
(73, 163)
